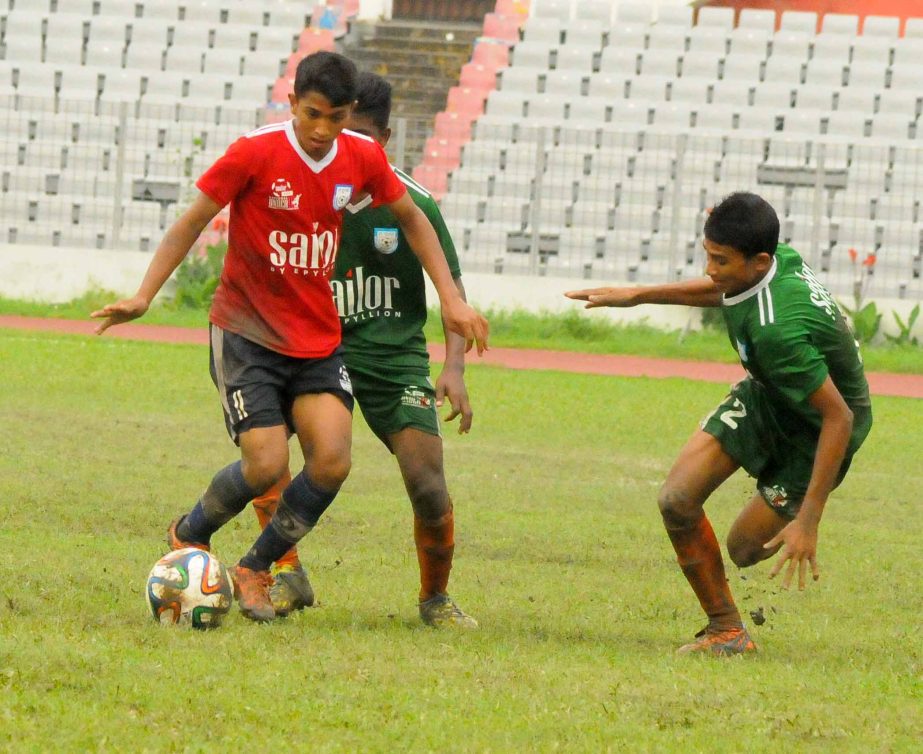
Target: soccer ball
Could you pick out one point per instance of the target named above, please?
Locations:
(189, 587)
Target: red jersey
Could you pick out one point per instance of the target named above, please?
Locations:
(284, 231)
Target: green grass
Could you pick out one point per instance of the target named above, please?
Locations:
(572, 331)
(560, 555)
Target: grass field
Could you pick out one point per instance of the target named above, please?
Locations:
(561, 556)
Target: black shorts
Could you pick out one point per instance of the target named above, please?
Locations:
(258, 386)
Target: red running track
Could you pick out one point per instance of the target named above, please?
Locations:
(881, 383)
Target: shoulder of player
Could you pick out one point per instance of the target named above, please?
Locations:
(420, 196)
(259, 134)
(355, 140)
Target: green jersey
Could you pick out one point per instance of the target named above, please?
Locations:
(378, 284)
(790, 336)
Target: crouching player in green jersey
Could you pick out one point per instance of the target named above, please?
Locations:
(379, 292)
(794, 422)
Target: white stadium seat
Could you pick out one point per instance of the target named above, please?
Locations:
(881, 26)
(799, 21)
(720, 17)
(753, 18)
(840, 24)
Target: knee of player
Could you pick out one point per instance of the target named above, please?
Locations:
(262, 471)
(677, 507)
(744, 553)
(331, 471)
(429, 497)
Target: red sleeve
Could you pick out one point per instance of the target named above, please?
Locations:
(229, 174)
(381, 182)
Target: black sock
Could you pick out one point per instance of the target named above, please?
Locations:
(226, 496)
(302, 505)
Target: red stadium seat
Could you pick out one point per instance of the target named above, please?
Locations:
(466, 100)
(478, 76)
(494, 54)
(441, 152)
(433, 179)
(502, 27)
(453, 126)
(283, 87)
(313, 39)
(512, 8)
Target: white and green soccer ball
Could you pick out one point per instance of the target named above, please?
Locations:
(189, 587)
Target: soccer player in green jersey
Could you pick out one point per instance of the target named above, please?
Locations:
(794, 422)
(378, 288)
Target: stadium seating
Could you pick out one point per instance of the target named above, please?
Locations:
(142, 91)
(676, 114)
(589, 137)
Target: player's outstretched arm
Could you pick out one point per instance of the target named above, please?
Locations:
(172, 249)
(457, 315)
(799, 538)
(451, 381)
(700, 292)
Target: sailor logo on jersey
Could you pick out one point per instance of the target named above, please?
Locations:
(776, 495)
(282, 196)
(386, 240)
(342, 193)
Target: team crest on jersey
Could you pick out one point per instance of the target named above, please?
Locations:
(342, 193)
(282, 196)
(386, 240)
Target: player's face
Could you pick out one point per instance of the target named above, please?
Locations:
(731, 271)
(317, 122)
(363, 124)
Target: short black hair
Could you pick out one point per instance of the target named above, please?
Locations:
(329, 74)
(745, 222)
(373, 99)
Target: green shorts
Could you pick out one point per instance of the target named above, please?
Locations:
(776, 449)
(394, 400)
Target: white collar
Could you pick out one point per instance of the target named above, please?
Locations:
(767, 278)
(315, 165)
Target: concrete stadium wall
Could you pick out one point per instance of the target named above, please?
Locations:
(56, 275)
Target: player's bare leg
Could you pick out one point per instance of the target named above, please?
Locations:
(419, 456)
(324, 428)
(756, 524)
(701, 467)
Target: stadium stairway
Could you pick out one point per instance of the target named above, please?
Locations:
(422, 60)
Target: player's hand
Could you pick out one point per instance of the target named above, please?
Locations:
(799, 549)
(461, 318)
(596, 297)
(451, 385)
(119, 312)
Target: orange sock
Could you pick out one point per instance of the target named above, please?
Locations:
(265, 505)
(699, 555)
(435, 547)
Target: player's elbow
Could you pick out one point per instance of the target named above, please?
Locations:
(848, 418)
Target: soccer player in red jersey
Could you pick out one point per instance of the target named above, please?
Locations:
(275, 332)
(385, 352)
